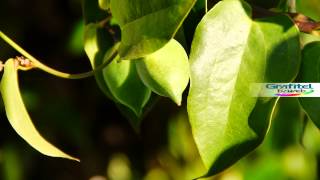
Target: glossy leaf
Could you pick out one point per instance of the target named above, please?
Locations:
(18, 115)
(310, 72)
(146, 26)
(125, 85)
(227, 55)
(166, 71)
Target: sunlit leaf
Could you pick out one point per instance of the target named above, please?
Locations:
(18, 115)
(146, 26)
(229, 53)
(125, 85)
(310, 72)
(226, 57)
(166, 71)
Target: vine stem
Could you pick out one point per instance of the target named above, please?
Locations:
(36, 63)
(206, 6)
(292, 6)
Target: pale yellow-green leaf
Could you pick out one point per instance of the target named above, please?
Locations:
(18, 115)
(166, 71)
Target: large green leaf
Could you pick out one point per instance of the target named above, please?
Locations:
(18, 115)
(310, 72)
(166, 71)
(146, 26)
(227, 55)
(125, 85)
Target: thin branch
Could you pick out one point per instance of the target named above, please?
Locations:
(36, 63)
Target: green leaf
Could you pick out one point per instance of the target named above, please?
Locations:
(98, 45)
(281, 38)
(166, 71)
(125, 85)
(287, 124)
(134, 119)
(310, 8)
(308, 38)
(310, 72)
(18, 115)
(227, 55)
(146, 26)
(104, 4)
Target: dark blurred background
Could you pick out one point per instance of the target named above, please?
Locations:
(76, 116)
(72, 114)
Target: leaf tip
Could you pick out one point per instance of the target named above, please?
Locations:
(177, 99)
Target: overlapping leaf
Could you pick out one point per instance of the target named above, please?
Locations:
(146, 26)
(287, 124)
(18, 115)
(228, 54)
(308, 38)
(98, 45)
(310, 72)
(281, 38)
(125, 85)
(226, 57)
(166, 71)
